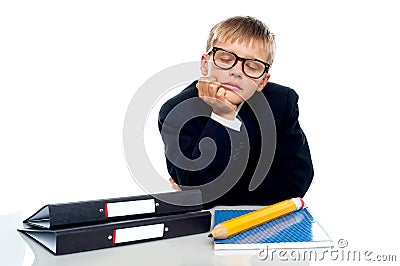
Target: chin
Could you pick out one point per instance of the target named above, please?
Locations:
(234, 98)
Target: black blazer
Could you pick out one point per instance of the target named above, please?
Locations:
(270, 146)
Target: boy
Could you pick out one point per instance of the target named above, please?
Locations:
(231, 133)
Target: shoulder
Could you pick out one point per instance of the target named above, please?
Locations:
(187, 93)
(185, 106)
(281, 100)
(274, 91)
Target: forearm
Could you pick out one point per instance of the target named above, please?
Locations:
(210, 156)
(292, 155)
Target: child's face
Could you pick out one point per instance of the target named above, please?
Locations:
(239, 87)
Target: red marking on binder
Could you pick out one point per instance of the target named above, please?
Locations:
(106, 210)
(114, 236)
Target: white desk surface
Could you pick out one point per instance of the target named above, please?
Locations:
(187, 250)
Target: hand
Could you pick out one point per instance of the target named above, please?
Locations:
(174, 185)
(213, 94)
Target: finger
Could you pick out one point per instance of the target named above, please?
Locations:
(207, 87)
(205, 80)
(212, 89)
(174, 185)
(201, 84)
(209, 78)
(220, 96)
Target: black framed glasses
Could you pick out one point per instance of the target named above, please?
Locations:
(251, 67)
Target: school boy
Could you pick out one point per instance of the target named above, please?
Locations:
(219, 127)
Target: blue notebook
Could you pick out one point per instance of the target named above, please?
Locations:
(296, 230)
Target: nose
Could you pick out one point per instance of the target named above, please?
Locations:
(236, 70)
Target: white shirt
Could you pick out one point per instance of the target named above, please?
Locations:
(232, 124)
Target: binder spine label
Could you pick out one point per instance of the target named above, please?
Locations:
(138, 233)
(130, 208)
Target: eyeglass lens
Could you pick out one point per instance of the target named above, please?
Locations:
(227, 60)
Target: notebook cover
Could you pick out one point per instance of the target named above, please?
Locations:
(296, 230)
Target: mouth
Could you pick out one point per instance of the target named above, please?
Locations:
(231, 86)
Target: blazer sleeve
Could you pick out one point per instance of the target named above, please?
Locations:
(292, 161)
(198, 151)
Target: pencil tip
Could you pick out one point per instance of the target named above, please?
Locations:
(210, 235)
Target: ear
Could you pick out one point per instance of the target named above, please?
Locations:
(204, 65)
(263, 82)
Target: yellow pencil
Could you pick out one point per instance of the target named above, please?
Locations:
(252, 219)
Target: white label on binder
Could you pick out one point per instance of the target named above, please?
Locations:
(138, 233)
(130, 207)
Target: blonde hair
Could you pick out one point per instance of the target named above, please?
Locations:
(243, 29)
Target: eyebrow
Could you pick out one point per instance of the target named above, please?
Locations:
(245, 57)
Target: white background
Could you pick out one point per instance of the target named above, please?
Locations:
(69, 69)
